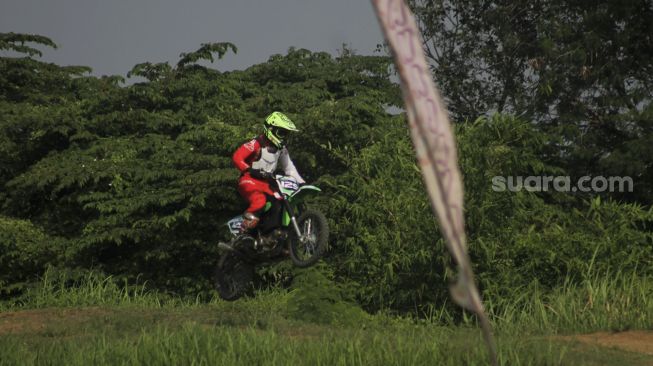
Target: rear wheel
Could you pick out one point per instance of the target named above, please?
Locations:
(233, 277)
(309, 248)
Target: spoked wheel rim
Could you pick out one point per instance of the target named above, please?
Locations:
(309, 247)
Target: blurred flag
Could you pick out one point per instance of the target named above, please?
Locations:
(435, 148)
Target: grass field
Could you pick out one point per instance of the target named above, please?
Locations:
(100, 323)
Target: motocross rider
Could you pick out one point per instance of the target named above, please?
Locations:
(257, 160)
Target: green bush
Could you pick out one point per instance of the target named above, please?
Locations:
(25, 252)
(386, 239)
(314, 297)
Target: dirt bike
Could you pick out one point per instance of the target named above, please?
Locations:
(287, 228)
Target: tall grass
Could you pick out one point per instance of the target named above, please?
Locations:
(57, 290)
(611, 301)
(617, 301)
(261, 331)
(194, 344)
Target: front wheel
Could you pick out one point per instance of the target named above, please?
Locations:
(309, 248)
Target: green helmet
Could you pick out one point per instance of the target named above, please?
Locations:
(276, 128)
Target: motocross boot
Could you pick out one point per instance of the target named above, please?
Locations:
(249, 222)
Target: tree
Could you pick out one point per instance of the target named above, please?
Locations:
(16, 42)
(580, 69)
(137, 180)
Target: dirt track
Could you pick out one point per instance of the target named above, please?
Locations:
(29, 321)
(640, 341)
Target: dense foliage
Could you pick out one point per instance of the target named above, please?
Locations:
(581, 69)
(136, 181)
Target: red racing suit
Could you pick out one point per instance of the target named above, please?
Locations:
(260, 154)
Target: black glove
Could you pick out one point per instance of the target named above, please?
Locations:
(259, 174)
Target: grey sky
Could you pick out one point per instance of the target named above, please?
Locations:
(112, 36)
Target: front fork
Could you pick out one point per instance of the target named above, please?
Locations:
(293, 220)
